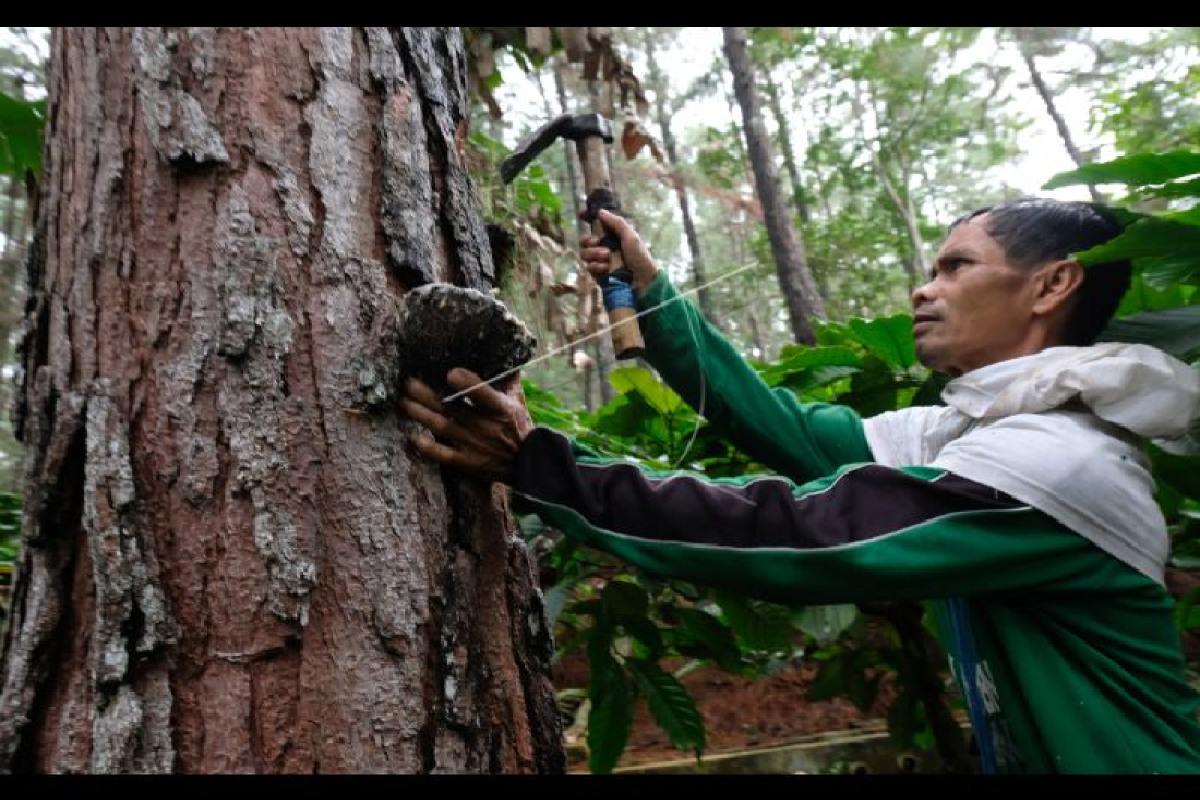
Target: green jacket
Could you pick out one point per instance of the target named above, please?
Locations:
(1068, 658)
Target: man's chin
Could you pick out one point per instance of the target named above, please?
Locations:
(931, 359)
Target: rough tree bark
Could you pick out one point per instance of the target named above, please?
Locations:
(795, 279)
(233, 562)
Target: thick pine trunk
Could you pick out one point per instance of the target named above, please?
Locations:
(795, 279)
(232, 561)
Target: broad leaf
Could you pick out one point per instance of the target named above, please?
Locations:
(611, 717)
(762, 626)
(1142, 169)
(825, 623)
(624, 599)
(1162, 272)
(609, 723)
(891, 338)
(1153, 236)
(1174, 330)
(635, 379)
(21, 126)
(717, 639)
(670, 705)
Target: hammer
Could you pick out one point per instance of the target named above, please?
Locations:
(591, 132)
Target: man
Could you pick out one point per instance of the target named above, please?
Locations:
(1023, 507)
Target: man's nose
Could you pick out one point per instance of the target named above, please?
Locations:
(922, 295)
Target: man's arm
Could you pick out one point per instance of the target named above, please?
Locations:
(867, 533)
(800, 440)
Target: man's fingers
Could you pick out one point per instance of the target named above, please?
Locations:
(595, 254)
(436, 451)
(438, 424)
(615, 223)
(597, 269)
(423, 394)
(482, 394)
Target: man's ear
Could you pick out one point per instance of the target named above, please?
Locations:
(1055, 284)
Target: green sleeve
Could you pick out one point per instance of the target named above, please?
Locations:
(866, 533)
(800, 440)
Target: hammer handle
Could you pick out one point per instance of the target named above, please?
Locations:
(626, 335)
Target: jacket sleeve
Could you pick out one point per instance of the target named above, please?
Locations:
(800, 440)
(867, 532)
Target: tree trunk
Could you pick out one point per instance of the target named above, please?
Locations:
(593, 377)
(795, 280)
(785, 145)
(233, 562)
(602, 347)
(704, 296)
(1052, 109)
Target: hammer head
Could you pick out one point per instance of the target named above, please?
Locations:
(567, 126)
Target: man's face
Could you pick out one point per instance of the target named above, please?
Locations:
(977, 308)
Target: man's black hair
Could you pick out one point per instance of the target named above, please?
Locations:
(1034, 231)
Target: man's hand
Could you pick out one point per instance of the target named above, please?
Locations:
(480, 434)
(633, 250)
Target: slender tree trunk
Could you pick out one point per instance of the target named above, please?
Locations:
(795, 280)
(602, 348)
(689, 225)
(775, 104)
(583, 281)
(232, 560)
(1060, 123)
(916, 265)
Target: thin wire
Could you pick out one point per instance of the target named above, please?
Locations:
(601, 332)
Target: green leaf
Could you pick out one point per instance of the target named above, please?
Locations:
(1153, 236)
(670, 705)
(766, 627)
(1144, 297)
(1190, 216)
(825, 623)
(1141, 169)
(1187, 612)
(21, 126)
(611, 717)
(624, 416)
(930, 393)
(718, 641)
(1165, 271)
(1181, 472)
(624, 599)
(646, 632)
(891, 338)
(635, 379)
(796, 359)
(1174, 330)
(610, 721)
(1188, 188)
(873, 390)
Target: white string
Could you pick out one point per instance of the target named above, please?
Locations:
(601, 332)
